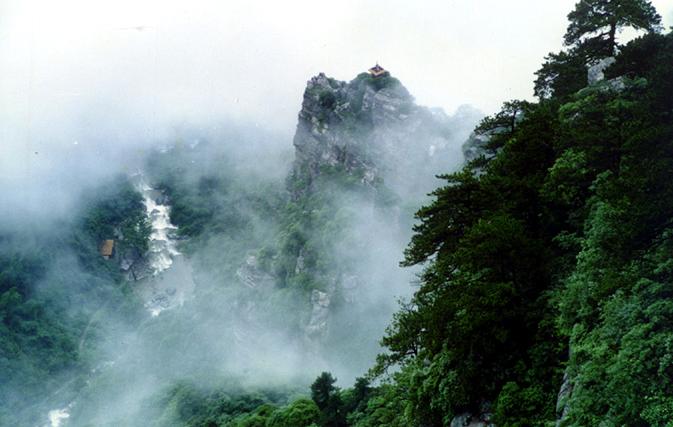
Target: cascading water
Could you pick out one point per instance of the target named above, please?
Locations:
(164, 288)
(162, 244)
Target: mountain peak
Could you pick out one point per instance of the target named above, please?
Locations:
(370, 127)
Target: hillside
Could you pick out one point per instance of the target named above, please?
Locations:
(386, 265)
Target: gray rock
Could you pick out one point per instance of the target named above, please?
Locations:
(595, 71)
(128, 258)
(373, 130)
(161, 198)
(317, 324)
(117, 233)
(139, 270)
(252, 275)
(468, 420)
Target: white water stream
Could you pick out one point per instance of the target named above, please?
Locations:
(165, 288)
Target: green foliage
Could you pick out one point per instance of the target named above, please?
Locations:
(550, 253)
(594, 24)
(561, 75)
(378, 83)
(313, 221)
(327, 99)
(188, 405)
(477, 315)
(386, 408)
(52, 282)
(226, 213)
(115, 211)
(616, 303)
(519, 407)
(558, 236)
(37, 342)
(591, 36)
(328, 399)
(300, 413)
(323, 389)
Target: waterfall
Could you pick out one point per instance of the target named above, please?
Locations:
(162, 244)
(170, 282)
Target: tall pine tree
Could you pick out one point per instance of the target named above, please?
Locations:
(594, 24)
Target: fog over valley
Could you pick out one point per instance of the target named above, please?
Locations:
(301, 214)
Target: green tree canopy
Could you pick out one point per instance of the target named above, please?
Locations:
(594, 24)
(300, 413)
(328, 398)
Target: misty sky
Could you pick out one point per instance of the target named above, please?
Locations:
(111, 74)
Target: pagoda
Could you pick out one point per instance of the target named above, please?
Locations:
(377, 71)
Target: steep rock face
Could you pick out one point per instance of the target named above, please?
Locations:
(368, 131)
(372, 128)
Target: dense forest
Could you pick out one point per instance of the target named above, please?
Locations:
(547, 257)
(545, 270)
(56, 290)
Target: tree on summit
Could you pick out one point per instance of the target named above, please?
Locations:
(594, 24)
(591, 36)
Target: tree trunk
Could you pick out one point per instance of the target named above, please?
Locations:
(612, 37)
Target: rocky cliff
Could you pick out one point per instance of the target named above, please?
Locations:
(370, 133)
(372, 128)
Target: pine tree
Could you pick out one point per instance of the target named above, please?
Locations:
(594, 24)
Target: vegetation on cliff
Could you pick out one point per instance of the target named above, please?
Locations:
(545, 293)
(546, 258)
(548, 253)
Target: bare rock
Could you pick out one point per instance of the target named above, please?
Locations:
(371, 128)
(317, 324)
(468, 420)
(596, 71)
(252, 275)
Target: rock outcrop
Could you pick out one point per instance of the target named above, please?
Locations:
(371, 131)
(596, 71)
(468, 420)
(483, 419)
(372, 128)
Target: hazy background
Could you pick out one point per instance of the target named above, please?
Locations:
(252, 58)
(88, 87)
(82, 81)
